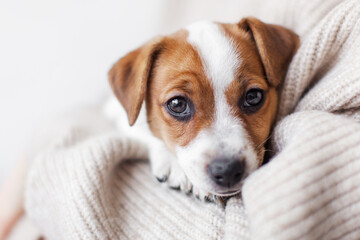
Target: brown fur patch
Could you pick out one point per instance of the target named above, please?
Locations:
(179, 72)
(128, 77)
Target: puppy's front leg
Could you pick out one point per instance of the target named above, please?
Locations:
(160, 160)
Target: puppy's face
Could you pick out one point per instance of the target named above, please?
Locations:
(211, 95)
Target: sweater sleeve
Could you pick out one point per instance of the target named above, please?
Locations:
(311, 189)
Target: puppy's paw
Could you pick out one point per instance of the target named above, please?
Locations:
(161, 160)
(203, 196)
(161, 169)
(178, 180)
(165, 168)
(209, 197)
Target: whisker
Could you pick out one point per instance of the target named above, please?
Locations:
(262, 144)
(266, 150)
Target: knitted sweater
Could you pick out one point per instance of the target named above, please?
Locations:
(82, 187)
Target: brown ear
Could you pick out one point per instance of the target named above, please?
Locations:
(128, 77)
(276, 45)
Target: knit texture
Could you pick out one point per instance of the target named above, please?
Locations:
(83, 188)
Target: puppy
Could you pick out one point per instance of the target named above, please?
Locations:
(204, 100)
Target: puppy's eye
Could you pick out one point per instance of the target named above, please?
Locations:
(252, 100)
(177, 105)
(179, 108)
(253, 97)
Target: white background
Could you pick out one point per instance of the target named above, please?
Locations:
(54, 55)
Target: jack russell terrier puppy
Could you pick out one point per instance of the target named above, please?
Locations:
(204, 100)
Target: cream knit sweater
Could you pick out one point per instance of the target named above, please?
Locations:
(82, 188)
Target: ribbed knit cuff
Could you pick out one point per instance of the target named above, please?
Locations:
(311, 190)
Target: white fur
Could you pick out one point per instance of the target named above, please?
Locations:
(217, 53)
(115, 112)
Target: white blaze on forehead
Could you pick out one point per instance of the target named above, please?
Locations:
(217, 52)
(220, 61)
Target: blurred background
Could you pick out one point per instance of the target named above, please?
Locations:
(55, 55)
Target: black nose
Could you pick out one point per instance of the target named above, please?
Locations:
(226, 173)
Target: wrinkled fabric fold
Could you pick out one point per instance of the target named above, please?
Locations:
(308, 192)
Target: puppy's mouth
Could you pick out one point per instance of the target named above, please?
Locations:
(226, 194)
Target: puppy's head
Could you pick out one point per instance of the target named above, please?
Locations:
(211, 95)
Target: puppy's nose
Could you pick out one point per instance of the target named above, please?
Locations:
(226, 173)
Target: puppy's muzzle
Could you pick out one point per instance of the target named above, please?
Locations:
(226, 172)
